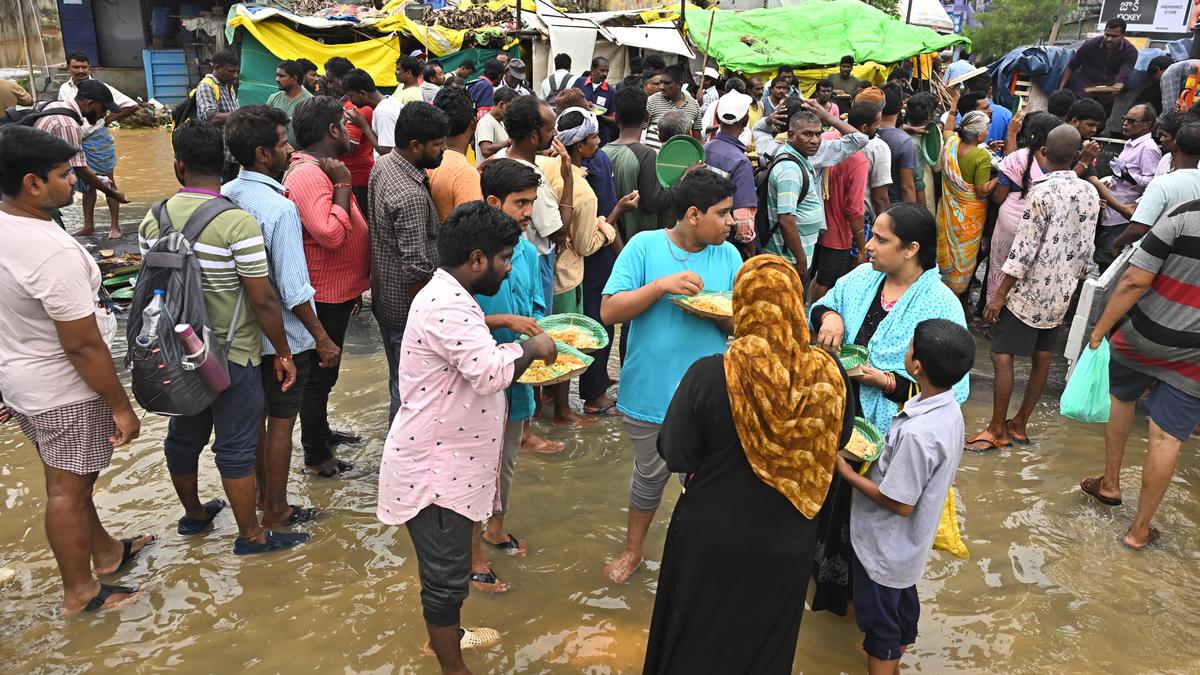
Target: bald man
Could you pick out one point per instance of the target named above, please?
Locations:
(1049, 256)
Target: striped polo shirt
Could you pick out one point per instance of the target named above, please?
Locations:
(1161, 334)
(658, 105)
(229, 248)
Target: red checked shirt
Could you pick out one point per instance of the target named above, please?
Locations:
(336, 244)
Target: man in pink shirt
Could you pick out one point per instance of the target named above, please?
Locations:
(441, 457)
(337, 250)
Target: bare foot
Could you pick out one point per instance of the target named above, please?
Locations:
(114, 561)
(484, 579)
(622, 566)
(114, 232)
(534, 443)
(1140, 543)
(85, 231)
(498, 538)
(115, 600)
(569, 416)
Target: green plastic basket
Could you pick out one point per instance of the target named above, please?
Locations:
(562, 349)
(674, 158)
(869, 432)
(931, 144)
(852, 356)
(585, 323)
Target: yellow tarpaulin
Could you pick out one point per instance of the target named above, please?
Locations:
(377, 56)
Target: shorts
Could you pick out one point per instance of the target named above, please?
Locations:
(1014, 336)
(73, 438)
(1174, 411)
(569, 302)
(830, 264)
(285, 405)
(887, 616)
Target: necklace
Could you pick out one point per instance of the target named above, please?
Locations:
(671, 246)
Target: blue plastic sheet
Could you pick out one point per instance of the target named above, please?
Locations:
(1044, 65)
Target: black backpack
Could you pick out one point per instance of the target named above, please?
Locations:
(763, 226)
(163, 383)
(29, 116)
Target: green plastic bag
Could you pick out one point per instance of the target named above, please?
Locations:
(1086, 395)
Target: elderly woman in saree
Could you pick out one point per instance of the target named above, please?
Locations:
(756, 432)
(877, 306)
(962, 213)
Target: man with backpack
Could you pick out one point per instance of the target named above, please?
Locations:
(789, 189)
(65, 119)
(215, 100)
(257, 137)
(56, 373)
(233, 271)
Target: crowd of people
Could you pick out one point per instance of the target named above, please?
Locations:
(470, 208)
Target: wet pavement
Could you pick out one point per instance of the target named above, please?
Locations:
(1048, 587)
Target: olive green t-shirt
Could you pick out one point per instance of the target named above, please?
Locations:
(229, 248)
(281, 101)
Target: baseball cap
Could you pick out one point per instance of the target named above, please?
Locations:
(417, 53)
(710, 72)
(517, 68)
(732, 107)
(98, 92)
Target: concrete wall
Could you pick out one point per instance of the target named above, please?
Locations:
(21, 23)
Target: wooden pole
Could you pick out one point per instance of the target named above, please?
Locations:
(1062, 7)
(28, 51)
(712, 15)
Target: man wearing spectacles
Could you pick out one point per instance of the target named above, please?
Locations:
(1132, 171)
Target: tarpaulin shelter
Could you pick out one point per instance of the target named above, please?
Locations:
(815, 32)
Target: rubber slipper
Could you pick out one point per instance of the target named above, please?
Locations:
(343, 437)
(1016, 438)
(1150, 540)
(189, 526)
(988, 443)
(488, 578)
(511, 547)
(105, 591)
(128, 554)
(275, 541)
(301, 514)
(338, 468)
(472, 638)
(1091, 486)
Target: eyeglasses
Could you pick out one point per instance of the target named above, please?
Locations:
(1132, 120)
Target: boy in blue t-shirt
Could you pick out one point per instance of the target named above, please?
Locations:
(898, 503)
(513, 311)
(664, 340)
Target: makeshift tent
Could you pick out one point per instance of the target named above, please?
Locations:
(376, 55)
(816, 32)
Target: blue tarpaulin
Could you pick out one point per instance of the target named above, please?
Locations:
(1044, 66)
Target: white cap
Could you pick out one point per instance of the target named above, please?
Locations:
(710, 72)
(732, 107)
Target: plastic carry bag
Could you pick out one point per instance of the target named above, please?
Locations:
(1086, 395)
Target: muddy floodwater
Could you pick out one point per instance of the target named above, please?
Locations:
(1047, 589)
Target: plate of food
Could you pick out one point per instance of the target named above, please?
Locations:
(575, 330)
(853, 358)
(866, 443)
(707, 304)
(570, 364)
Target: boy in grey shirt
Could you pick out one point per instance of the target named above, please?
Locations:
(898, 503)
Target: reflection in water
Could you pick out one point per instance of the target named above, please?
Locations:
(1048, 588)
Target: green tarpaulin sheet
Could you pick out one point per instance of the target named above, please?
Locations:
(815, 33)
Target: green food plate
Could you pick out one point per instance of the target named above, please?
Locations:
(122, 293)
(593, 329)
(674, 158)
(931, 144)
(872, 435)
(562, 377)
(682, 301)
(120, 280)
(852, 356)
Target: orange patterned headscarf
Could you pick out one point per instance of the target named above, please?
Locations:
(788, 399)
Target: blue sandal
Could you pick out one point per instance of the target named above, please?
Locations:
(189, 526)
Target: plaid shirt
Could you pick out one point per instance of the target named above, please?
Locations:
(403, 228)
(209, 103)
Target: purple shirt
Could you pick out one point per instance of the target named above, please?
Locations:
(1140, 157)
(444, 445)
(726, 155)
(1095, 64)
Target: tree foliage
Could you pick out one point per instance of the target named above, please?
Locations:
(1009, 24)
(889, 6)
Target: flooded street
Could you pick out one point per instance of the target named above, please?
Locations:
(1048, 587)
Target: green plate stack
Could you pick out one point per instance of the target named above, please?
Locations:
(563, 377)
(674, 158)
(852, 356)
(585, 323)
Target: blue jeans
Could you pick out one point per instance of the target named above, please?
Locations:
(236, 414)
(392, 339)
(547, 268)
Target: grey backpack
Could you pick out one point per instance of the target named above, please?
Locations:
(163, 381)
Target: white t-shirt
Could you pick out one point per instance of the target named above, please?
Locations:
(45, 276)
(383, 121)
(546, 218)
(880, 159)
(490, 130)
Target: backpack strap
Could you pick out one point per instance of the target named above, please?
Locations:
(779, 158)
(197, 222)
(159, 210)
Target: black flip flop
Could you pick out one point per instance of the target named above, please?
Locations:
(105, 591)
(128, 554)
(276, 541)
(1091, 486)
(301, 514)
(343, 437)
(511, 547)
(190, 526)
(488, 578)
(334, 471)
